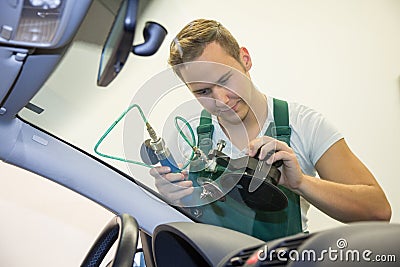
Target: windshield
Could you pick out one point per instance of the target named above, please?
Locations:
(151, 106)
(110, 123)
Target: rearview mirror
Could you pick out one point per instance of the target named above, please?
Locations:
(119, 42)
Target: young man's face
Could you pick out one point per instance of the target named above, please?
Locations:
(220, 83)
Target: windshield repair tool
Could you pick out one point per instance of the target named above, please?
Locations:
(161, 151)
(262, 194)
(254, 180)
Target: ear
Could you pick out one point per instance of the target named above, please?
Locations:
(246, 59)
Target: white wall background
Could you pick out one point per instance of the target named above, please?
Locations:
(339, 57)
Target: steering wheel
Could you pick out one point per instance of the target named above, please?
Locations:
(122, 228)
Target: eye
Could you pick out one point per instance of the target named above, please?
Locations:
(203, 92)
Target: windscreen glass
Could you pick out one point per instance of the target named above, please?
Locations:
(191, 118)
(188, 118)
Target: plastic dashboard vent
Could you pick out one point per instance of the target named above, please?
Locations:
(284, 247)
(241, 258)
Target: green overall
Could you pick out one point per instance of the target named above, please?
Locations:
(238, 216)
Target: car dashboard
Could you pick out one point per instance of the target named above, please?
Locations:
(357, 244)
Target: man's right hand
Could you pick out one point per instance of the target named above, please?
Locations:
(174, 186)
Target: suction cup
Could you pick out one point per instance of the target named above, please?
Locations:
(210, 189)
(267, 197)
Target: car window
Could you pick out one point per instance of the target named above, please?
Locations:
(299, 52)
(76, 110)
(73, 108)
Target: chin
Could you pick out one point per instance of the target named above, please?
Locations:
(234, 121)
(233, 117)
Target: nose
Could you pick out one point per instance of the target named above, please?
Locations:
(221, 96)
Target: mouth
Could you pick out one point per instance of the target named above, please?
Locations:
(234, 108)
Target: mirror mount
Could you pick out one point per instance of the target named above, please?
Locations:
(154, 34)
(118, 44)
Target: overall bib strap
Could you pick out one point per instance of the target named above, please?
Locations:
(272, 225)
(281, 118)
(205, 132)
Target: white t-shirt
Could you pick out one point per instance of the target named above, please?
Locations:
(311, 136)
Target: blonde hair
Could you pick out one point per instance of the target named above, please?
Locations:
(195, 36)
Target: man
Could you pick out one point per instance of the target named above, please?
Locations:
(346, 190)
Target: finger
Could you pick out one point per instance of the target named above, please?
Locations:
(267, 150)
(173, 187)
(266, 147)
(255, 144)
(181, 185)
(170, 188)
(159, 170)
(176, 196)
(172, 177)
(281, 155)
